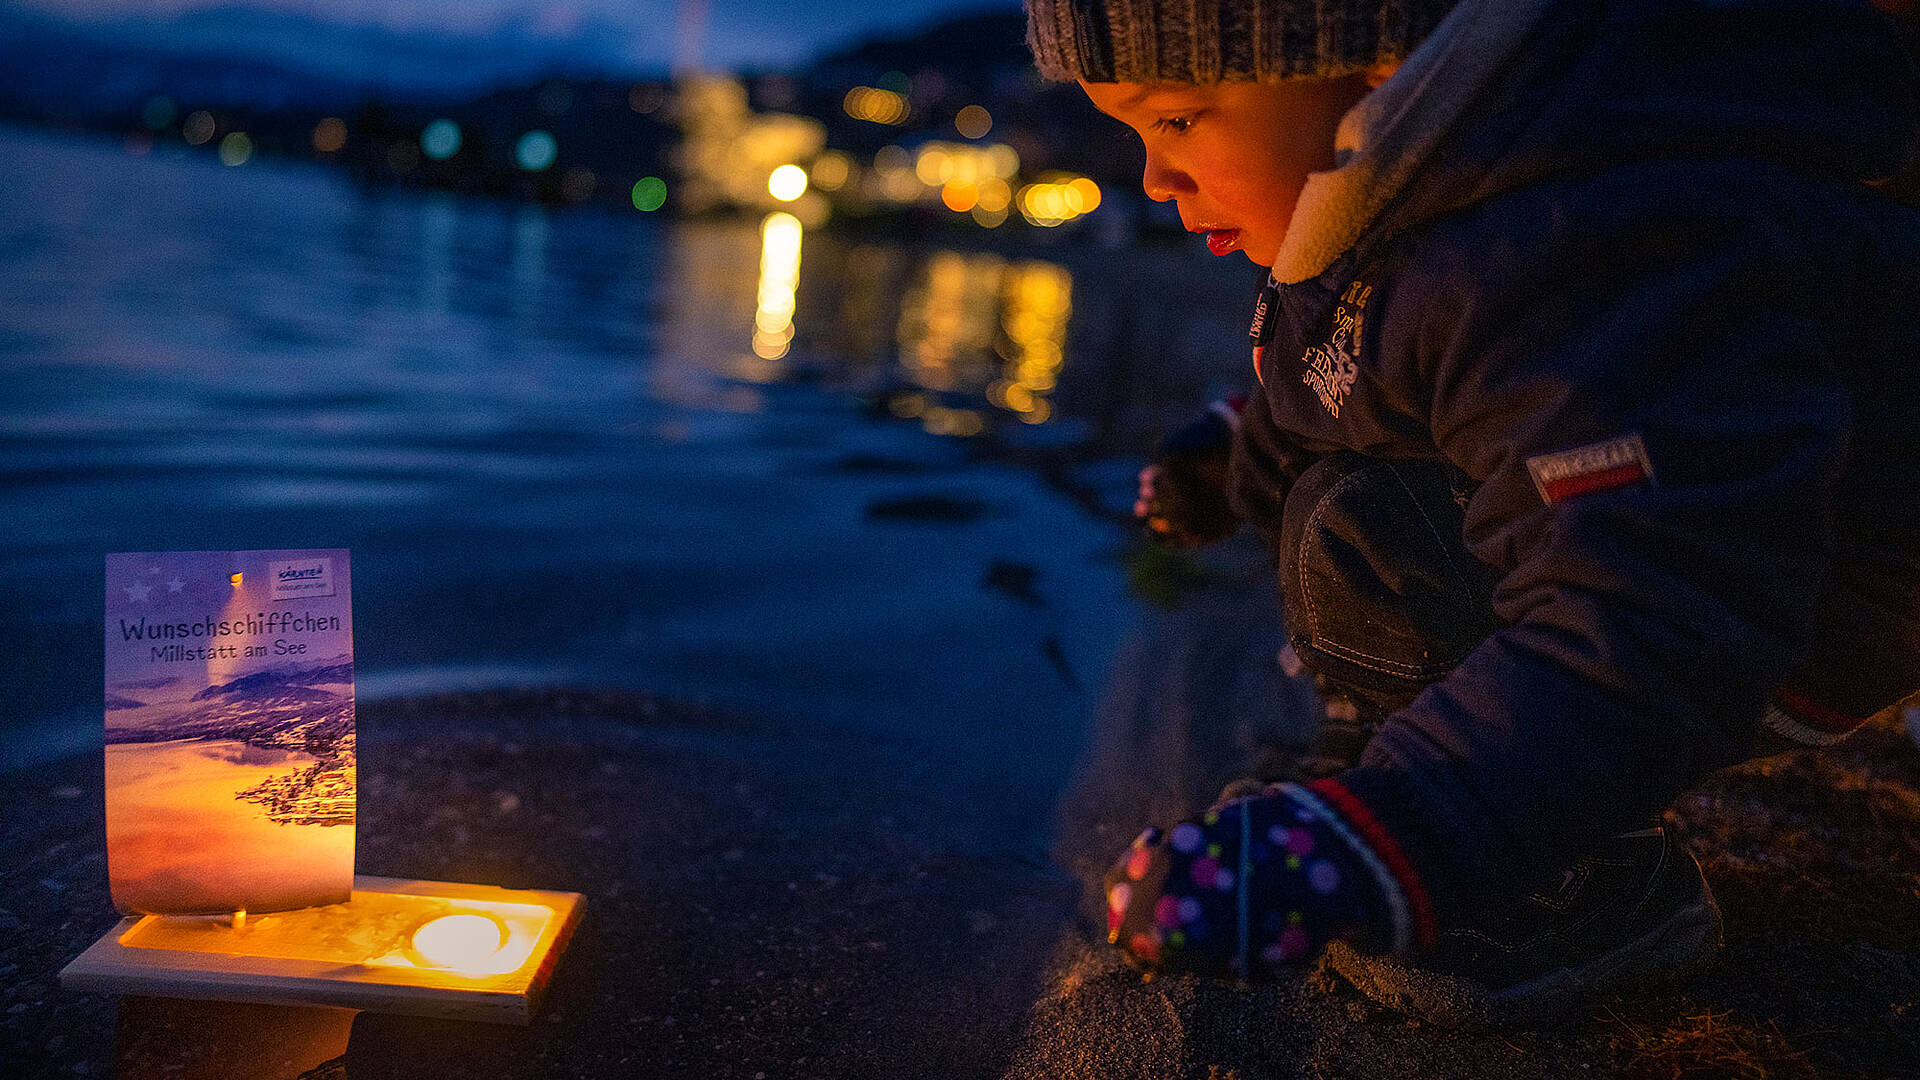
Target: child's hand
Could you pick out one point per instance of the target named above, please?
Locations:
(1182, 498)
(1262, 882)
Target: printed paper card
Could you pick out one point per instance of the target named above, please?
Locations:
(229, 714)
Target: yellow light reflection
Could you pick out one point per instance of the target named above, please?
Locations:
(773, 328)
(1036, 303)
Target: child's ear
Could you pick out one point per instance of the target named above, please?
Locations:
(1381, 72)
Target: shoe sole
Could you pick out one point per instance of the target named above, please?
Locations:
(1682, 946)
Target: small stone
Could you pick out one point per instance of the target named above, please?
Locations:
(68, 791)
(506, 802)
(734, 854)
(17, 1009)
(53, 885)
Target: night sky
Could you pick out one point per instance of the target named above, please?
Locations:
(740, 33)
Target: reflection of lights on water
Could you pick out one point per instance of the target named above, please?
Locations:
(649, 193)
(1036, 302)
(536, 151)
(199, 127)
(787, 183)
(773, 329)
(236, 148)
(831, 171)
(874, 105)
(441, 139)
(460, 942)
(236, 580)
(973, 122)
(330, 135)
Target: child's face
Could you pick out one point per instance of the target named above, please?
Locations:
(1233, 156)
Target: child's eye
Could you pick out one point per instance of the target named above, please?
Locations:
(1178, 125)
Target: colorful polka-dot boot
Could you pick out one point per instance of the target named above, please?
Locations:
(1263, 882)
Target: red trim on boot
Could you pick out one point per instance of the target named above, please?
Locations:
(1816, 715)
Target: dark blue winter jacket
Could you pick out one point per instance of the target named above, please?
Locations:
(1655, 222)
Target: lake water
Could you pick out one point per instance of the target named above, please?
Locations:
(581, 447)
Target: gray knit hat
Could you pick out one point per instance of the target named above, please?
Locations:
(1208, 41)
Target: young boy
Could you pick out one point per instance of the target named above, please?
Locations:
(1588, 366)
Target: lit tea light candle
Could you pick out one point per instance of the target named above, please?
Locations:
(461, 942)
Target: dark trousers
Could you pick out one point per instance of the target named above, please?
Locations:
(1382, 598)
(1380, 594)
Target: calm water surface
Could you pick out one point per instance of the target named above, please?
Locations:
(579, 447)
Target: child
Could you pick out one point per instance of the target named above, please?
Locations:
(1587, 370)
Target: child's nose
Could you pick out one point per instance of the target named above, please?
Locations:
(1163, 182)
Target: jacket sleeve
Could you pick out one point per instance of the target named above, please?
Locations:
(1643, 627)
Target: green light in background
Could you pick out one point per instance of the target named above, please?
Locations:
(536, 151)
(649, 193)
(441, 140)
(236, 148)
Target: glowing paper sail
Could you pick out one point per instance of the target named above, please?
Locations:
(229, 730)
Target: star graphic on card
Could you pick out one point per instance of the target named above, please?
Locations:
(138, 592)
(176, 585)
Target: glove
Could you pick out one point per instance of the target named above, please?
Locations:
(1183, 492)
(1261, 883)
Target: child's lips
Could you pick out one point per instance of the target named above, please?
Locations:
(1223, 241)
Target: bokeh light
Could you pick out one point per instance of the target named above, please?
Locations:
(649, 193)
(973, 122)
(536, 151)
(831, 171)
(874, 105)
(441, 140)
(1058, 199)
(330, 135)
(773, 330)
(787, 183)
(199, 127)
(236, 148)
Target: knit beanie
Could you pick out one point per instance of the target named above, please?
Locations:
(1210, 41)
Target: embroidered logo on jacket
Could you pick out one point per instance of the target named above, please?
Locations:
(1603, 466)
(1331, 370)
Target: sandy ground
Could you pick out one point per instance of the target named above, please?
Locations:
(762, 903)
